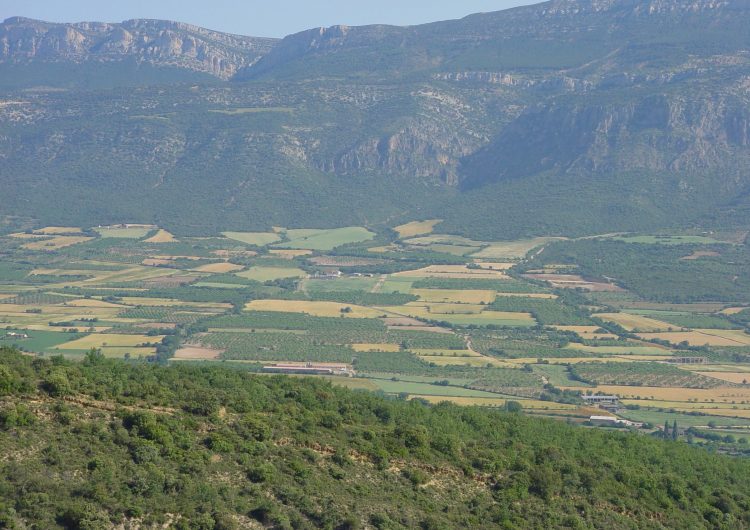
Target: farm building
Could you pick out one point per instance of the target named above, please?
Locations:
(310, 369)
(611, 421)
(610, 403)
(13, 335)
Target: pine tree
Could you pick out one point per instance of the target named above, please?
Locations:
(675, 432)
(666, 429)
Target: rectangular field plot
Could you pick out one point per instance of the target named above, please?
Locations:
(342, 284)
(712, 396)
(37, 341)
(739, 378)
(56, 242)
(101, 340)
(455, 296)
(318, 309)
(124, 233)
(219, 268)
(619, 350)
(374, 347)
(513, 249)
(635, 322)
(257, 239)
(453, 272)
(325, 239)
(264, 274)
(485, 318)
(703, 337)
(416, 228)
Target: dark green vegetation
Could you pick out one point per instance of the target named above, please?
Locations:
(639, 374)
(100, 443)
(657, 272)
(531, 121)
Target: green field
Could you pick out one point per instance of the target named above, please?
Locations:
(258, 239)
(264, 274)
(38, 341)
(325, 239)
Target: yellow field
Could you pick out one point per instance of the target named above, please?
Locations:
(532, 404)
(57, 230)
(318, 309)
(219, 268)
(193, 353)
(162, 236)
(636, 322)
(56, 243)
(99, 340)
(494, 265)
(449, 309)
(416, 228)
(455, 296)
(479, 362)
(587, 332)
(739, 378)
(701, 337)
(167, 302)
(732, 310)
(512, 249)
(719, 395)
(452, 271)
(376, 347)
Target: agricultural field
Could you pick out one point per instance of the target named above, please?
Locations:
(429, 316)
(416, 228)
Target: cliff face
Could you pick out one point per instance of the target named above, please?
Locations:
(637, 103)
(160, 43)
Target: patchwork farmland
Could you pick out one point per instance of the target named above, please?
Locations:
(414, 313)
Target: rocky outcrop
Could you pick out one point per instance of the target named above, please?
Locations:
(157, 42)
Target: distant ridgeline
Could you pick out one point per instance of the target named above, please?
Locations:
(562, 118)
(102, 444)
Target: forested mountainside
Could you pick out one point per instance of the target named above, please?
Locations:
(103, 444)
(562, 118)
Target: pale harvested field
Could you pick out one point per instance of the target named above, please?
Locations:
(702, 337)
(739, 368)
(659, 403)
(619, 350)
(193, 353)
(58, 230)
(739, 378)
(402, 322)
(513, 249)
(732, 310)
(440, 360)
(376, 347)
(219, 268)
(502, 318)
(264, 274)
(449, 309)
(574, 281)
(455, 296)
(155, 262)
(91, 302)
(721, 394)
(452, 271)
(99, 340)
(320, 309)
(416, 228)
(494, 265)
(167, 302)
(532, 404)
(636, 322)
(56, 243)
(587, 332)
(162, 236)
(118, 352)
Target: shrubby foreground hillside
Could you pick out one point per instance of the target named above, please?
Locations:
(104, 444)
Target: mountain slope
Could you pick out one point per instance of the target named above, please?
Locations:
(103, 443)
(161, 44)
(565, 118)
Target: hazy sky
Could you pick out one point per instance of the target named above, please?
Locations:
(261, 18)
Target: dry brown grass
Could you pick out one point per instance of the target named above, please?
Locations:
(636, 322)
(455, 296)
(56, 243)
(162, 236)
(320, 309)
(193, 353)
(219, 268)
(702, 337)
(416, 228)
(367, 347)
